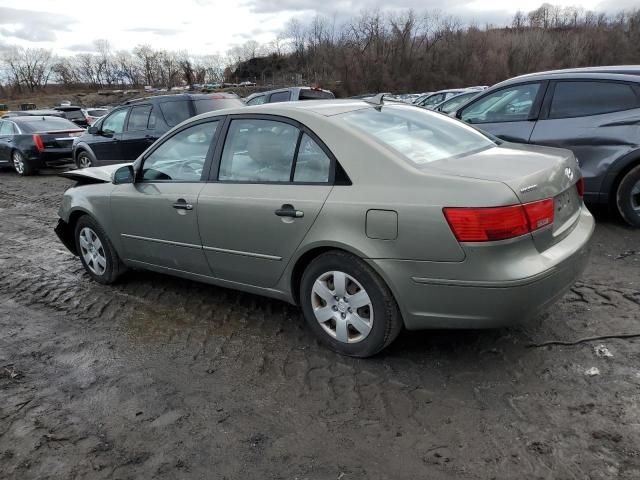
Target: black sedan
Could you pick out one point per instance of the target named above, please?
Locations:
(28, 143)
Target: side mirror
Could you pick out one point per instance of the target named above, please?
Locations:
(92, 130)
(123, 175)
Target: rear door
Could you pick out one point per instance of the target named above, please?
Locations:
(138, 134)
(591, 118)
(106, 142)
(509, 113)
(272, 180)
(156, 217)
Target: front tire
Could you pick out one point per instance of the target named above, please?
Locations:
(98, 257)
(83, 160)
(20, 165)
(348, 306)
(628, 197)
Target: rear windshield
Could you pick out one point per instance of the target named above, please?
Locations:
(46, 124)
(74, 114)
(308, 94)
(209, 104)
(417, 134)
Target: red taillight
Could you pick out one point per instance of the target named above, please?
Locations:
(499, 223)
(37, 139)
(580, 186)
(539, 214)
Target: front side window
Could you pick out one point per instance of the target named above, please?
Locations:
(418, 135)
(181, 158)
(258, 151)
(114, 123)
(139, 118)
(507, 105)
(312, 164)
(175, 112)
(577, 99)
(433, 100)
(259, 100)
(280, 97)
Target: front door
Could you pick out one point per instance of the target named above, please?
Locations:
(263, 200)
(139, 133)
(156, 217)
(106, 142)
(509, 113)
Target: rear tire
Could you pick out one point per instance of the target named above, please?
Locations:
(98, 257)
(628, 197)
(83, 160)
(20, 165)
(348, 306)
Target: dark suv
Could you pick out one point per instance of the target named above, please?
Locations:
(592, 111)
(131, 128)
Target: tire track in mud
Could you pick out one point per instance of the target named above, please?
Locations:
(431, 400)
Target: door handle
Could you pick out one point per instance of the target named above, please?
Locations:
(181, 204)
(288, 210)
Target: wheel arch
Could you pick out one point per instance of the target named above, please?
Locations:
(83, 147)
(628, 162)
(314, 251)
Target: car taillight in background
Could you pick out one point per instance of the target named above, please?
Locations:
(498, 223)
(580, 186)
(37, 139)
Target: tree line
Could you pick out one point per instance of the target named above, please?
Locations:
(370, 52)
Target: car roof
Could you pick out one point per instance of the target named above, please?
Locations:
(620, 72)
(36, 118)
(284, 89)
(183, 96)
(326, 108)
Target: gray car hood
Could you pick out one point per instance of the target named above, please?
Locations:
(93, 174)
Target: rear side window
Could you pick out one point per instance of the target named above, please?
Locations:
(312, 164)
(258, 151)
(578, 99)
(204, 105)
(175, 112)
(139, 118)
(280, 97)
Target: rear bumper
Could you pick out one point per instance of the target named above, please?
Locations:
(51, 156)
(488, 291)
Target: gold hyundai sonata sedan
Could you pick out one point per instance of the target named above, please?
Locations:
(371, 216)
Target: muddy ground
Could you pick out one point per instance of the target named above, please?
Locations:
(163, 378)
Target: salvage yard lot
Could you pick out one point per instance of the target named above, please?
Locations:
(159, 377)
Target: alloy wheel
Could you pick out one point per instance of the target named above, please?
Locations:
(92, 251)
(635, 197)
(342, 307)
(84, 161)
(18, 162)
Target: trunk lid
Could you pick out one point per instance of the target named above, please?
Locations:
(59, 138)
(533, 173)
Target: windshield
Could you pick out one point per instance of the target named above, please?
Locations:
(418, 135)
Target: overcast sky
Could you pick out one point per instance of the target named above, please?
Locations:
(212, 26)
